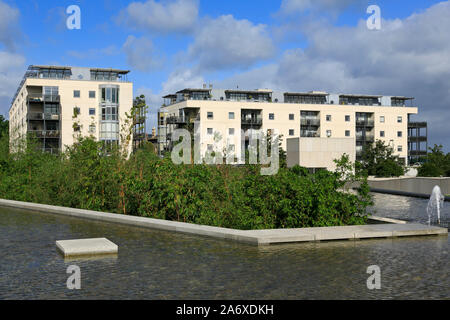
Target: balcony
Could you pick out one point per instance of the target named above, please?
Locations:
(139, 119)
(364, 123)
(39, 97)
(309, 134)
(365, 137)
(310, 122)
(251, 121)
(53, 134)
(417, 153)
(417, 124)
(43, 116)
(417, 139)
(176, 120)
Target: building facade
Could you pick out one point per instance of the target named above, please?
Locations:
(57, 105)
(224, 113)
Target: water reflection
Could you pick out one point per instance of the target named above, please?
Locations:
(162, 265)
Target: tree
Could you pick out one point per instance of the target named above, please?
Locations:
(437, 164)
(379, 160)
(4, 126)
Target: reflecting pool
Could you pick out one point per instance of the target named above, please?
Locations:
(162, 265)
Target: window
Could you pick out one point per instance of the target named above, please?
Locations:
(271, 116)
(51, 91)
(231, 147)
(347, 118)
(231, 115)
(76, 111)
(210, 131)
(328, 133)
(400, 148)
(382, 119)
(347, 133)
(399, 119)
(110, 95)
(92, 111)
(91, 94)
(382, 134)
(76, 93)
(210, 116)
(92, 128)
(76, 127)
(231, 131)
(210, 147)
(399, 134)
(291, 116)
(328, 117)
(291, 132)
(110, 113)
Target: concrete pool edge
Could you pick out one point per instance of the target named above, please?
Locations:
(255, 237)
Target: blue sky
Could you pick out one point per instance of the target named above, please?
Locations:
(286, 44)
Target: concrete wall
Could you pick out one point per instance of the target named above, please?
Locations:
(319, 152)
(412, 185)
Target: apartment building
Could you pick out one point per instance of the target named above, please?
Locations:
(322, 123)
(59, 104)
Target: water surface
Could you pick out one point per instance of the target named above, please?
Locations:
(162, 265)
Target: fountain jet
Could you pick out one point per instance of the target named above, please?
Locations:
(436, 203)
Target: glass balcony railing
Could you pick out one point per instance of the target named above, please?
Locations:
(43, 116)
(364, 122)
(310, 122)
(251, 121)
(45, 133)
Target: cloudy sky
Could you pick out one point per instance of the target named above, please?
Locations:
(292, 45)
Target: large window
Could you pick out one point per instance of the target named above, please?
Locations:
(110, 95)
(51, 91)
(110, 113)
(305, 99)
(109, 131)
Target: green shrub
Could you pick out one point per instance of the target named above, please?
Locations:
(87, 177)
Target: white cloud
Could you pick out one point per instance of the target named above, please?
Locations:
(141, 54)
(180, 79)
(12, 67)
(229, 43)
(165, 17)
(9, 33)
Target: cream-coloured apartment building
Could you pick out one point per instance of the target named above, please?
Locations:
(59, 104)
(319, 124)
